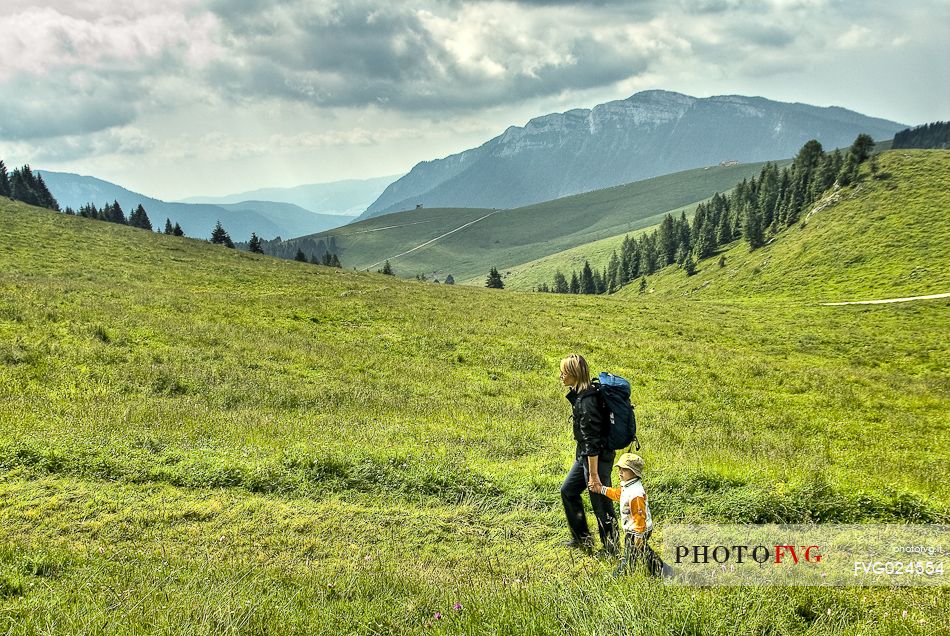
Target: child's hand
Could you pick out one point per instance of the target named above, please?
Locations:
(594, 484)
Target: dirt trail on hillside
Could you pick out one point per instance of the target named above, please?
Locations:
(887, 300)
(429, 242)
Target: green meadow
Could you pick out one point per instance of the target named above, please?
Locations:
(196, 440)
(506, 238)
(886, 237)
(530, 276)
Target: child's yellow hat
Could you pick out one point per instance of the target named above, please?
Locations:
(631, 461)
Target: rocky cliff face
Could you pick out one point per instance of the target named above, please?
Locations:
(649, 134)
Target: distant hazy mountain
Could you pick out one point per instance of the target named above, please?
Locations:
(652, 133)
(339, 197)
(267, 218)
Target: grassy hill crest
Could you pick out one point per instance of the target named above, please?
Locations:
(885, 237)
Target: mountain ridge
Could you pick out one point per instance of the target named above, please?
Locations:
(648, 134)
(265, 218)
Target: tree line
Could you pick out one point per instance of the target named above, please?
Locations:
(757, 209)
(24, 185)
(305, 250)
(28, 187)
(933, 135)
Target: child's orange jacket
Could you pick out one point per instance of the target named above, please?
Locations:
(634, 509)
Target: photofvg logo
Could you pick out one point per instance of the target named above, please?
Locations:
(814, 554)
(739, 554)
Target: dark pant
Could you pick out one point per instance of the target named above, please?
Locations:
(633, 555)
(574, 485)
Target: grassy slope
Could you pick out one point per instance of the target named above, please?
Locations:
(511, 237)
(196, 440)
(884, 238)
(529, 276)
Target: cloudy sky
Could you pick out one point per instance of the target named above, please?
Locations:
(186, 97)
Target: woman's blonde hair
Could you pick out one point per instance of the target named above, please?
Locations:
(574, 367)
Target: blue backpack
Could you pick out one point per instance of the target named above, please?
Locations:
(614, 394)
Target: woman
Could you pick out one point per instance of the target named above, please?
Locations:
(593, 459)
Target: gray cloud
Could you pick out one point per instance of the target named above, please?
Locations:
(65, 104)
(88, 68)
(125, 141)
(363, 53)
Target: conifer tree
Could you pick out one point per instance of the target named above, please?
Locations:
(140, 219)
(768, 196)
(684, 235)
(649, 254)
(4, 181)
(613, 273)
(862, 147)
(706, 241)
(560, 283)
(45, 196)
(848, 173)
(824, 177)
(667, 240)
(387, 269)
(494, 279)
(168, 226)
(753, 228)
(600, 283)
(643, 284)
(177, 231)
(689, 266)
(631, 269)
(300, 256)
(680, 255)
(699, 217)
(450, 280)
(254, 245)
(21, 189)
(575, 286)
(115, 214)
(219, 236)
(588, 286)
(626, 260)
(724, 231)
(335, 261)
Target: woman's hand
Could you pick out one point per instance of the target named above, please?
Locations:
(594, 484)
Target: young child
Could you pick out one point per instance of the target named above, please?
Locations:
(635, 517)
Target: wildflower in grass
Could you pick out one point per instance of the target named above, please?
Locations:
(437, 616)
(457, 607)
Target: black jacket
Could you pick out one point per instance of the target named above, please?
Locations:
(590, 426)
